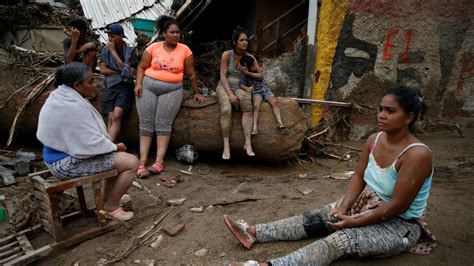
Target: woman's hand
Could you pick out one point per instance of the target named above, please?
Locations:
(233, 99)
(121, 147)
(138, 90)
(198, 98)
(344, 221)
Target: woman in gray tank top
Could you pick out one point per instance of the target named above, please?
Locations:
(229, 94)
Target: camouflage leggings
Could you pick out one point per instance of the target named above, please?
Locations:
(378, 240)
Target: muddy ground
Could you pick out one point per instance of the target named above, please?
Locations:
(449, 214)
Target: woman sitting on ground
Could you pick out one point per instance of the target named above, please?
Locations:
(230, 94)
(159, 91)
(76, 142)
(382, 210)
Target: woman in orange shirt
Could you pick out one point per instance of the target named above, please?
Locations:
(159, 93)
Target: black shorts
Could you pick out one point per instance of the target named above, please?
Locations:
(120, 95)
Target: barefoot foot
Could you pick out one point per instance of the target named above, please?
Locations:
(248, 149)
(226, 154)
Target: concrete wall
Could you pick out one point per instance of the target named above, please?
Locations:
(364, 46)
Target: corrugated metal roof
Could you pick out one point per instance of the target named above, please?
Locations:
(106, 12)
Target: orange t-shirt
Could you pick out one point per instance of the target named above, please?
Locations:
(167, 66)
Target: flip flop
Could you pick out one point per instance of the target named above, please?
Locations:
(170, 183)
(239, 230)
(142, 172)
(156, 168)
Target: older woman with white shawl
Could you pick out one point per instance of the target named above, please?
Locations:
(75, 138)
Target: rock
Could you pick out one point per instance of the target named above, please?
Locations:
(302, 175)
(201, 252)
(197, 209)
(7, 177)
(221, 255)
(176, 202)
(304, 191)
(157, 241)
(210, 207)
(174, 230)
(22, 168)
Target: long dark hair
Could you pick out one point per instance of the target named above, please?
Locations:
(236, 34)
(410, 100)
(70, 74)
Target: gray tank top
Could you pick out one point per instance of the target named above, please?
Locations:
(233, 74)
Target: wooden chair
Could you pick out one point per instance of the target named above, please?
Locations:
(47, 192)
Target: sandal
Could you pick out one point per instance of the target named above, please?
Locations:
(125, 199)
(142, 172)
(170, 183)
(120, 214)
(239, 230)
(156, 168)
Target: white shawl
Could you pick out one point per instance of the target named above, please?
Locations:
(70, 124)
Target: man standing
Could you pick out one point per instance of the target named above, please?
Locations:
(76, 47)
(117, 97)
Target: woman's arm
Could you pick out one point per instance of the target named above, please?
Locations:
(145, 63)
(414, 169)
(223, 75)
(357, 183)
(191, 73)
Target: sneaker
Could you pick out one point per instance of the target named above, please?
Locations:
(120, 214)
(239, 229)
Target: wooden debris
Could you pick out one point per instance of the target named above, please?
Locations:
(36, 91)
(141, 239)
(321, 102)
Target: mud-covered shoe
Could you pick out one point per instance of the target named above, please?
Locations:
(120, 214)
(239, 229)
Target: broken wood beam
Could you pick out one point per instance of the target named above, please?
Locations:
(321, 102)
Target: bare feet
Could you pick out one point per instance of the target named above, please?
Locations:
(254, 130)
(248, 149)
(226, 154)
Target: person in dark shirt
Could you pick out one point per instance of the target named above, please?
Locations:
(76, 47)
(118, 96)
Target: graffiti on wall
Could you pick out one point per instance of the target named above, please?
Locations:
(359, 61)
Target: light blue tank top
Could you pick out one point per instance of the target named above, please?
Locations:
(382, 182)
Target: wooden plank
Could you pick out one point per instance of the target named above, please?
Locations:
(91, 233)
(67, 184)
(9, 246)
(10, 252)
(39, 180)
(11, 237)
(321, 102)
(99, 202)
(25, 243)
(5, 261)
(57, 226)
(30, 256)
(38, 173)
(82, 199)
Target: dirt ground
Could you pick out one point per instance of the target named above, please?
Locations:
(276, 187)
